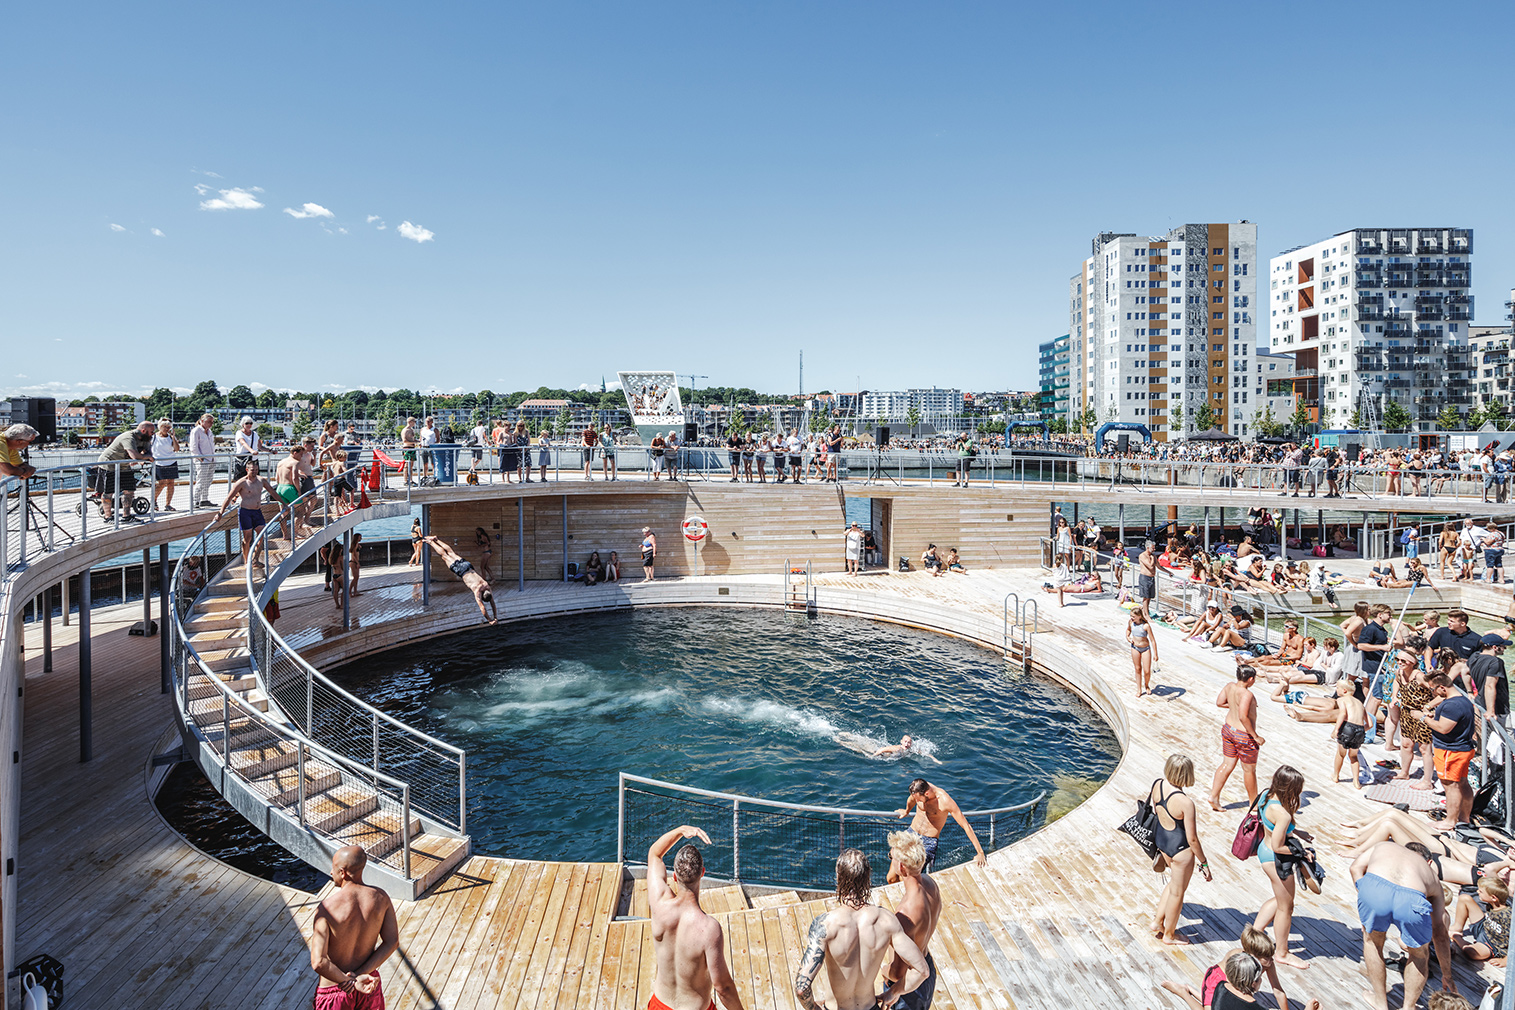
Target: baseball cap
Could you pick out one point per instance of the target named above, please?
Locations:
(1212, 605)
(646, 529)
(1492, 639)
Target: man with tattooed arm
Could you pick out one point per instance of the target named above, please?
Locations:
(852, 941)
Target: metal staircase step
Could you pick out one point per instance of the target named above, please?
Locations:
(216, 620)
(226, 660)
(201, 686)
(282, 787)
(433, 856)
(339, 806)
(379, 833)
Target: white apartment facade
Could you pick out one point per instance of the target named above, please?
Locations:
(1274, 388)
(1163, 323)
(936, 406)
(1375, 316)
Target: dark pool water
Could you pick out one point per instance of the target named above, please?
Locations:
(739, 701)
(194, 809)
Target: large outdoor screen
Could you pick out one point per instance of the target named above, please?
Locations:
(652, 398)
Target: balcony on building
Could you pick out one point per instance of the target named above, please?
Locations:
(1367, 246)
(1396, 316)
(1430, 308)
(1399, 277)
(1396, 330)
(1369, 279)
(1461, 241)
(1428, 339)
(1397, 384)
(1429, 244)
(1456, 276)
(1430, 277)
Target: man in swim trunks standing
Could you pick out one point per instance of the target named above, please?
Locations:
(354, 932)
(475, 582)
(935, 807)
(1452, 720)
(408, 442)
(687, 943)
(852, 940)
(1397, 887)
(247, 492)
(918, 912)
(1146, 575)
(1239, 739)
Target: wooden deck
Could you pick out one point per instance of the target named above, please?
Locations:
(142, 919)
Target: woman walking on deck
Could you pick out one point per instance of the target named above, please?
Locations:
(1277, 810)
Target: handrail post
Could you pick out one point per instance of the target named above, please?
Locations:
(225, 722)
(405, 828)
(376, 741)
(841, 833)
(463, 792)
(300, 774)
(84, 503)
(620, 819)
(736, 843)
(991, 832)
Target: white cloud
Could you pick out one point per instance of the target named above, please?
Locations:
(308, 210)
(20, 375)
(342, 230)
(116, 227)
(200, 171)
(372, 218)
(231, 199)
(415, 232)
(158, 232)
(381, 226)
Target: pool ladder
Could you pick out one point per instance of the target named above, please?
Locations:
(799, 593)
(1017, 635)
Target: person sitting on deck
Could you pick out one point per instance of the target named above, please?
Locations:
(594, 570)
(475, 582)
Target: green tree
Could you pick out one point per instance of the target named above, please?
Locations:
(1176, 417)
(269, 399)
(1395, 416)
(1089, 419)
(913, 418)
(1356, 420)
(387, 423)
(563, 420)
(819, 421)
(241, 397)
(1265, 423)
(1058, 426)
(301, 426)
(1204, 418)
(1449, 419)
(1494, 411)
(265, 431)
(1301, 416)
(160, 403)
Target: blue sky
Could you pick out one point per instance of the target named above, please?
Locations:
(899, 189)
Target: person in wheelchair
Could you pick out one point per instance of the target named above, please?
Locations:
(115, 478)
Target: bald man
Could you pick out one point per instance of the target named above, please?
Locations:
(354, 932)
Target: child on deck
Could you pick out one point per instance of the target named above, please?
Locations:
(1351, 730)
(1481, 926)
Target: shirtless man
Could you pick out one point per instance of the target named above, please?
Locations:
(1239, 738)
(1398, 887)
(688, 945)
(247, 492)
(354, 932)
(475, 582)
(852, 941)
(918, 912)
(1289, 652)
(1146, 575)
(935, 807)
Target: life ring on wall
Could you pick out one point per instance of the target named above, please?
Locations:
(695, 529)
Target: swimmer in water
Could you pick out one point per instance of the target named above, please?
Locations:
(889, 750)
(864, 746)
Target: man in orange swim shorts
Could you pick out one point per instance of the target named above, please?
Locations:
(353, 933)
(1453, 722)
(687, 943)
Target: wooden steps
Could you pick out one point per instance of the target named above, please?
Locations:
(714, 898)
(777, 900)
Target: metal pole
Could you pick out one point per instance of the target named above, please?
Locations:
(47, 630)
(736, 843)
(425, 556)
(521, 544)
(165, 674)
(347, 581)
(1207, 529)
(67, 617)
(86, 693)
(147, 590)
(565, 538)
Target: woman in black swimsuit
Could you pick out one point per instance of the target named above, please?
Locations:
(1178, 844)
(485, 544)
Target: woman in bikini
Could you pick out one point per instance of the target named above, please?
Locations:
(1279, 807)
(1178, 846)
(1143, 649)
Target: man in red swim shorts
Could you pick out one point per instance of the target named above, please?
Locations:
(687, 943)
(1239, 739)
(353, 933)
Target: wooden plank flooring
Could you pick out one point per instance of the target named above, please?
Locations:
(142, 919)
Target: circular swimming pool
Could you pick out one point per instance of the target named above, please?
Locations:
(740, 701)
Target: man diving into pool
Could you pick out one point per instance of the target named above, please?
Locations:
(472, 579)
(935, 807)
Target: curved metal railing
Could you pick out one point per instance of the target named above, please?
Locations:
(223, 724)
(769, 842)
(435, 770)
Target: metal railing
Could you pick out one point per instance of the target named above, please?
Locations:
(768, 842)
(225, 725)
(1017, 636)
(435, 771)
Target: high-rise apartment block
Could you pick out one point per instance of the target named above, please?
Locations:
(1163, 326)
(1376, 317)
(1052, 373)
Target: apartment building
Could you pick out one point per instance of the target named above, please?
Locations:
(936, 406)
(1489, 361)
(1162, 326)
(1373, 317)
(1052, 373)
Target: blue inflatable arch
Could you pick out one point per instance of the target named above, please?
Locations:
(1099, 436)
